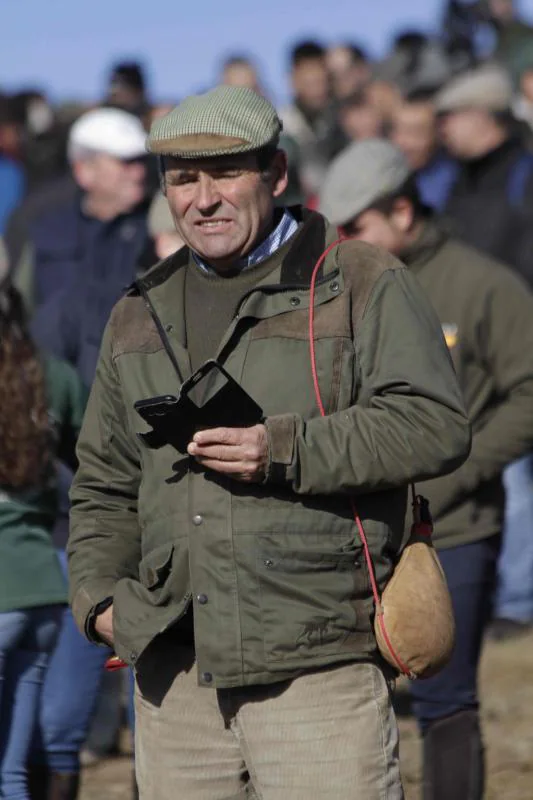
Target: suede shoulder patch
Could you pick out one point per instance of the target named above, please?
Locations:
(362, 265)
(133, 329)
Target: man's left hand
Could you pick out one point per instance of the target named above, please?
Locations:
(241, 453)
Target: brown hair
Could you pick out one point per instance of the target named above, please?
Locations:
(24, 427)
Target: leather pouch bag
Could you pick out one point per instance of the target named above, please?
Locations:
(414, 623)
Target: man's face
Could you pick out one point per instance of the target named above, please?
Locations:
(361, 121)
(126, 97)
(526, 84)
(11, 138)
(385, 96)
(414, 131)
(310, 82)
(375, 227)
(502, 10)
(461, 130)
(241, 75)
(114, 181)
(347, 74)
(223, 206)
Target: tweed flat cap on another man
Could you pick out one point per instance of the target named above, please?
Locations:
(224, 121)
(364, 173)
(487, 87)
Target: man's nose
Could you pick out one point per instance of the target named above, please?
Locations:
(207, 194)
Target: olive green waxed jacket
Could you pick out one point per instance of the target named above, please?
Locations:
(486, 313)
(275, 571)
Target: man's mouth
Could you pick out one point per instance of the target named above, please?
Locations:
(212, 223)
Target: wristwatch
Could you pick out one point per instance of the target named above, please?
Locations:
(90, 629)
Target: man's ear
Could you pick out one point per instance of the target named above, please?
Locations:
(82, 171)
(403, 214)
(279, 173)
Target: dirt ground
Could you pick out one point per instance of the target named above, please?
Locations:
(507, 692)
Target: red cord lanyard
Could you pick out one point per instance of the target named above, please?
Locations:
(370, 566)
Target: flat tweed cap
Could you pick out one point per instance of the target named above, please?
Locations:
(363, 173)
(487, 87)
(221, 122)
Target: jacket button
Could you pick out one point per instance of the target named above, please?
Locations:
(206, 677)
(169, 328)
(334, 286)
(202, 599)
(268, 562)
(295, 301)
(197, 519)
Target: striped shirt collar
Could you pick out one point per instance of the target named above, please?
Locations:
(286, 227)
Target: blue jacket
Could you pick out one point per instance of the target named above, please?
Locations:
(435, 181)
(81, 269)
(67, 243)
(11, 188)
(80, 294)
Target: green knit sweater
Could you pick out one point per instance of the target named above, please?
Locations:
(211, 302)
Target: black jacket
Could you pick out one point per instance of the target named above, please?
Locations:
(490, 206)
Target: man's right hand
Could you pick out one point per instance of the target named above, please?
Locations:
(103, 625)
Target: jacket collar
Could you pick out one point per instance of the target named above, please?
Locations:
(163, 288)
(309, 244)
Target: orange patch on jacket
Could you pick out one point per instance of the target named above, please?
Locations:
(450, 332)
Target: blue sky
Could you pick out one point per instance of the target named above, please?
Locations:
(66, 46)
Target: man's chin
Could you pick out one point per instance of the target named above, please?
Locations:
(221, 254)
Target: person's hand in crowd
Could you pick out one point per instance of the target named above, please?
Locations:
(241, 453)
(103, 625)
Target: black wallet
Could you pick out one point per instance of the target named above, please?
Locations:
(210, 398)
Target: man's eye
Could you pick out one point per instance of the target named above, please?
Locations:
(182, 180)
(228, 173)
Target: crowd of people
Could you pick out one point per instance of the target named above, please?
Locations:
(427, 154)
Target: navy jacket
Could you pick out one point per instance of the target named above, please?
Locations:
(82, 267)
(435, 181)
(67, 244)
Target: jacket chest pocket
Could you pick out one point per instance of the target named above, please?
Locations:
(277, 373)
(309, 601)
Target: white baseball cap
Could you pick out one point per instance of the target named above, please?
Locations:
(108, 130)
